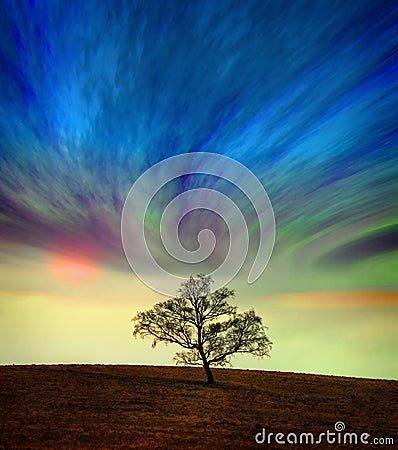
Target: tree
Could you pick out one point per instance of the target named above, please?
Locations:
(205, 325)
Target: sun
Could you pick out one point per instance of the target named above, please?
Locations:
(74, 270)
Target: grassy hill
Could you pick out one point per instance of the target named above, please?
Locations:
(97, 406)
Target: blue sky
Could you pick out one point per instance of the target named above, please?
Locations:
(304, 94)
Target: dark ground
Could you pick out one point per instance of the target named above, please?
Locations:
(89, 406)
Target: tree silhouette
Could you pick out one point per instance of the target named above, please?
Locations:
(205, 325)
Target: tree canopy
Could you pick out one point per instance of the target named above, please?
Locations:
(209, 329)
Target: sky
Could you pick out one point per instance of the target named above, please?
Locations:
(302, 94)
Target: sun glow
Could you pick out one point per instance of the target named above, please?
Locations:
(74, 270)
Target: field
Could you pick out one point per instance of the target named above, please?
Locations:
(96, 406)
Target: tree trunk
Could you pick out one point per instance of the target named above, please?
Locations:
(209, 373)
(206, 365)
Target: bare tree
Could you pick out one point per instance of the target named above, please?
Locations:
(205, 325)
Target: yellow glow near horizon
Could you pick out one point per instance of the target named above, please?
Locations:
(46, 318)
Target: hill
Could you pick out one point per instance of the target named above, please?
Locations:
(98, 406)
